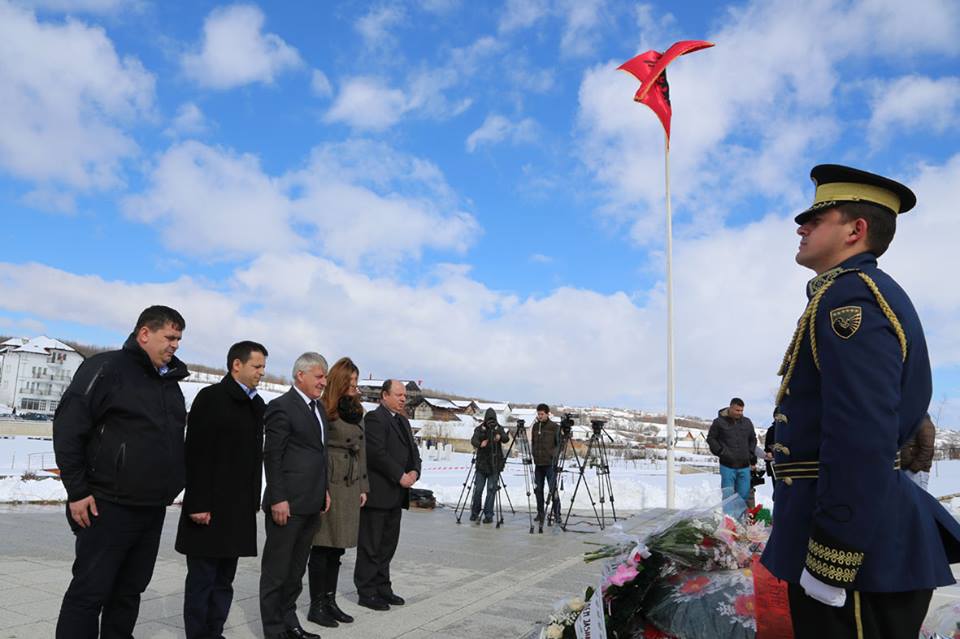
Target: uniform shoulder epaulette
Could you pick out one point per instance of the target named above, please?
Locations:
(815, 289)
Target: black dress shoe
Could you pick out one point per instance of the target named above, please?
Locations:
(393, 599)
(334, 611)
(321, 616)
(300, 633)
(373, 603)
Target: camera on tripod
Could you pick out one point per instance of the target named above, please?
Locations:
(566, 424)
(520, 423)
(597, 425)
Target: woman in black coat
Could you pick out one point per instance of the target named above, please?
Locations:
(224, 461)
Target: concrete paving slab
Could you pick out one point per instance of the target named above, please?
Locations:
(460, 580)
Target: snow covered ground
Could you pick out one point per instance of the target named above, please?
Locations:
(636, 484)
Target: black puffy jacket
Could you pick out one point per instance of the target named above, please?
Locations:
(734, 441)
(118, 431)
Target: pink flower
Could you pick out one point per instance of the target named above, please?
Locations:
(624, 574)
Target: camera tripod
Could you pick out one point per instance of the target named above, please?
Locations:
(597, 454)
(526, 460)
(498, 463)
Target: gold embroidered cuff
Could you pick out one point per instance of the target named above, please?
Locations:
(833, 566)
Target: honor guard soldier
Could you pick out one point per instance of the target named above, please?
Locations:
(861, 546)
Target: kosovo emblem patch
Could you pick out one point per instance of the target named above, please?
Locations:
(846, 320)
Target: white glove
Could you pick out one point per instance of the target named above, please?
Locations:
(825, 594)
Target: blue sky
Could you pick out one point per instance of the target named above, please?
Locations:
(465, 193)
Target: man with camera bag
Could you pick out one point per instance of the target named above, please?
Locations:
(488, 438)
(545, 436)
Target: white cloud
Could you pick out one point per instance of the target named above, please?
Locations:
(371, 103)
(440, 6)
(582, 19)
(749, 115)
(206, 201)
(66, 96)
(235, 51)
(374, 26)
(320, 84)
(367, 103)
(497, 128)
(913, 102)
(520, 14)
(188, 121)
(51, 200)
(355, 201)
(924, 250)
(738, 295)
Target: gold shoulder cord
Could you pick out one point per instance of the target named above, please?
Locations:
(888, 312)
(807, 323)
(793, 351)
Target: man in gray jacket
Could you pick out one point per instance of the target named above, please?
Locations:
(733, 439)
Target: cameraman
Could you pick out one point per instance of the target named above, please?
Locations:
(489, 463)
(546, 438)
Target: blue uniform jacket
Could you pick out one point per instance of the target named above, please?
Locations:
(856, 383)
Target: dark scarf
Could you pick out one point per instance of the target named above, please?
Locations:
(350, 410)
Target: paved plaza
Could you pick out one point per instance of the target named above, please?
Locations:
(463, 580)
(460, 581)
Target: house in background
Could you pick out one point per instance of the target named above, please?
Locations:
(35, 372)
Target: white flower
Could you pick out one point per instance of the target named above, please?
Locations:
(575, 604)
(554, 631)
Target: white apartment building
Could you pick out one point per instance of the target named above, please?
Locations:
(34, 373)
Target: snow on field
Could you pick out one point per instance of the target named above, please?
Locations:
(636, 484)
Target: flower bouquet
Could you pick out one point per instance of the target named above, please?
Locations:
(689, 579)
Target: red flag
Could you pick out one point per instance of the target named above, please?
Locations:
(650, 69)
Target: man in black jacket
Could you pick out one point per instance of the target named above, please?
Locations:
(545, 439)
(393, 466)
(224, 459)
(295, 462)
(488, 438)
(733, 439)
(118, 438)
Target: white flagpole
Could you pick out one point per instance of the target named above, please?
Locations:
(670, 413)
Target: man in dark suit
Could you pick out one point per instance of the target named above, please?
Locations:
(393, 466)
(224, 458)
(295, 462)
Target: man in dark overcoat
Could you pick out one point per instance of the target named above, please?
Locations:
(224, 463)
(393, 466)
(295, 462)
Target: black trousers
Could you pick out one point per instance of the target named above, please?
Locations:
(284, 561)
(376, 545)
(877, 615)
(114, 562)
(324, 570)
(207, 595)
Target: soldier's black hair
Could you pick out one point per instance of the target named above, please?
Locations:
(881, 225)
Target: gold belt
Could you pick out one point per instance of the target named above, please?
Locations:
(788, 471)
